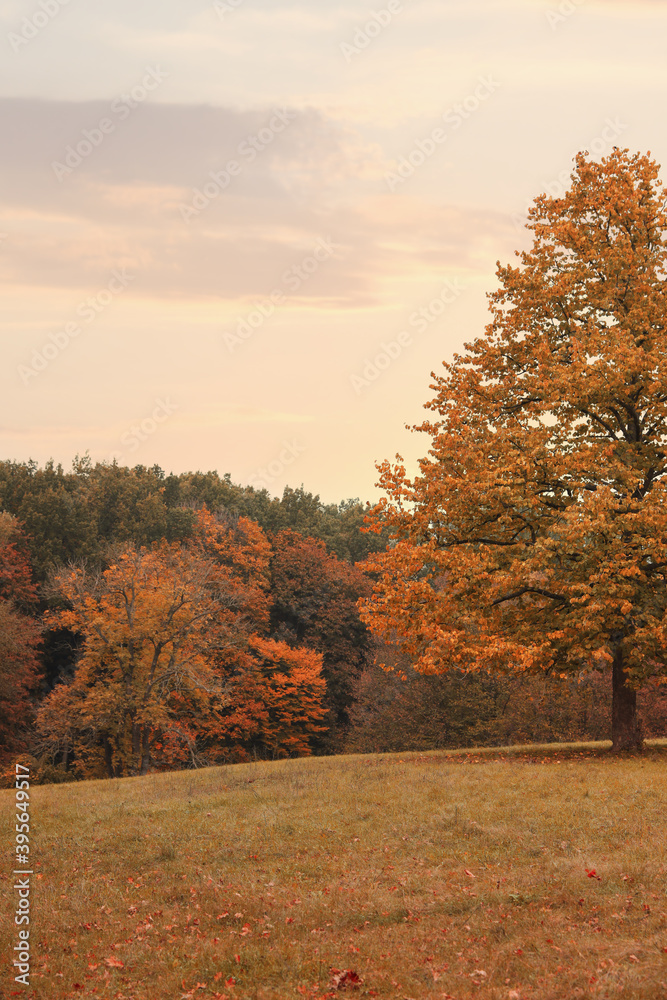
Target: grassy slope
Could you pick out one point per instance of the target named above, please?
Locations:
(430, 875)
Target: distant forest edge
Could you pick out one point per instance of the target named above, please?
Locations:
(76, 515)
(152, 622)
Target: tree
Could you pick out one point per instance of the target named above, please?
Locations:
(19, 637)
(174, 667)
(275, 706)
(241, 553)
(152, 633)
(314, 604)
(534, 537)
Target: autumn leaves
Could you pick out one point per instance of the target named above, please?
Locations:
(535, 536)
(176, 666)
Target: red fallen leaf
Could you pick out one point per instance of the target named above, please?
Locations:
(114, 963)
(77, 986)
(469, 873)
(230, 982)
(289, 920)
(519, 951)
(593, 874)
(218, 976)
(343, 980)
(237, 959)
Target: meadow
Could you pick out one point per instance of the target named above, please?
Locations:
(533, 873)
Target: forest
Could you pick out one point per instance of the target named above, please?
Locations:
(157, 622)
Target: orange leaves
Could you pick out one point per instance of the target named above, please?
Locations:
(15, 574)
(241, 554)
(151, 628)
(193, 990)
(19, 635)
(535, 535)
(114, 963)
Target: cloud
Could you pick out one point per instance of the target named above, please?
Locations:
(86, 191)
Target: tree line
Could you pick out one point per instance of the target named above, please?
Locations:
(155, 621)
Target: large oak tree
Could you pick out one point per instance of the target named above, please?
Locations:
(534, 537)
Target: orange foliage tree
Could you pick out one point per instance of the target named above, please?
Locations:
(314, 604)
(151, 629)
(241, 553)
(534, 537)
(174, 668)
(276, 693)
(275, 706)
(19, 638)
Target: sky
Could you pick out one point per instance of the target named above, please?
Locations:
(240, 235)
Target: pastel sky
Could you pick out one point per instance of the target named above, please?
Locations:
(240, 235)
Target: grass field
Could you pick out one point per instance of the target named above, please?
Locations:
(534, 873)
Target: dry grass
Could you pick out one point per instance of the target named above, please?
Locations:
(429, 875)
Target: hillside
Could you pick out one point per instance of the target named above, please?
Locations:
(533, 874)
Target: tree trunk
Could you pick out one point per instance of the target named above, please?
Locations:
(145, 750)
(626, 731)
(108, 757)
(136, 748)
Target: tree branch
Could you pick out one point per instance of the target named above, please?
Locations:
(531, 590)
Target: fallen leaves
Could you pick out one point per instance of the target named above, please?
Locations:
(347, 979)
(114, 963)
